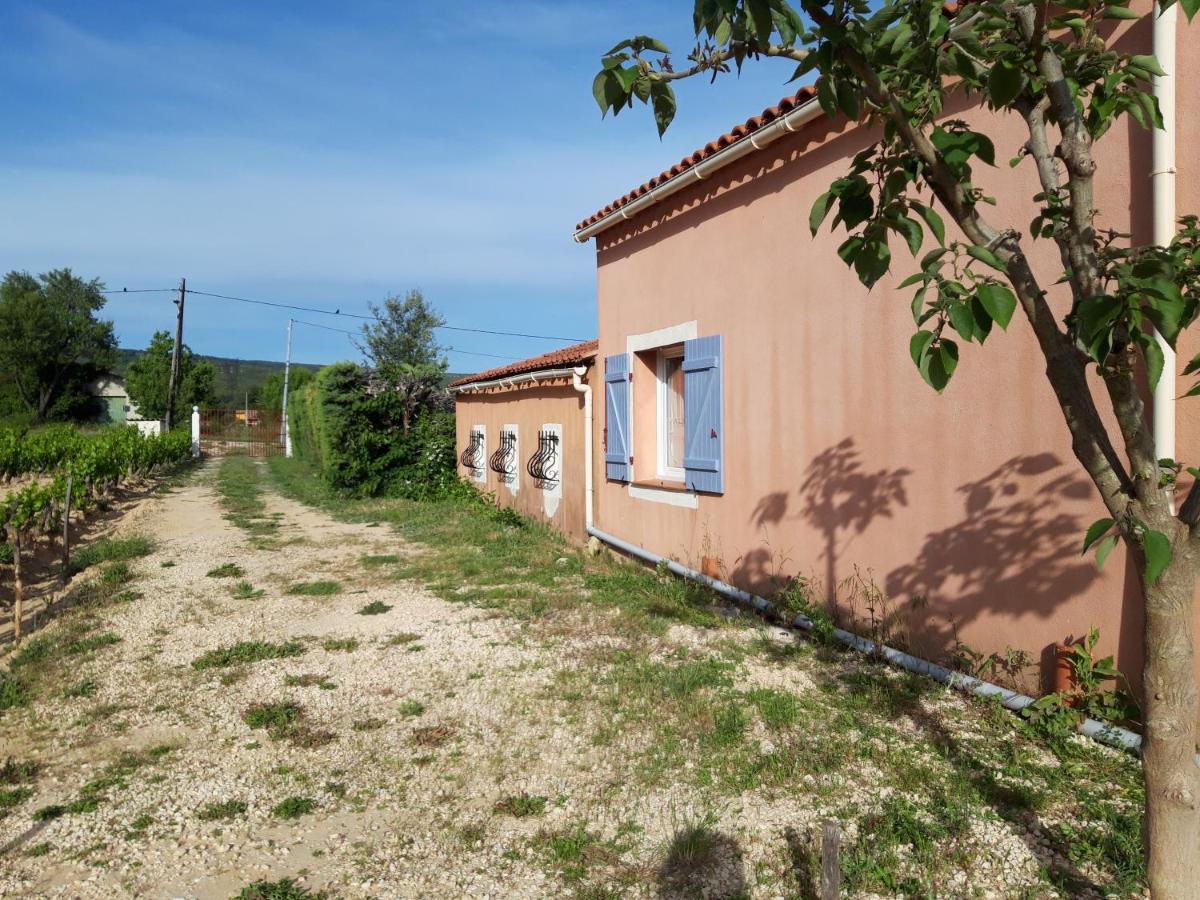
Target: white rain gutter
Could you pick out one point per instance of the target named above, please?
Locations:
(543, 375)
(756, 140)
(586, 390)
(1162, 181)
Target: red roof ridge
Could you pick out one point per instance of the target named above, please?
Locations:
(576, 353)
(735, 134)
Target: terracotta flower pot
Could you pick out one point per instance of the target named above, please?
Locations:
(1064, 673)
(710, 566)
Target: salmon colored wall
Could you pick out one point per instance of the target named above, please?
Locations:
(529, 408)
(839, 459)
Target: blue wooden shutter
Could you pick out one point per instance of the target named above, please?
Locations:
(703, 416)
(616, 417)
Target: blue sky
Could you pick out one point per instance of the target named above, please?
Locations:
(328, 154)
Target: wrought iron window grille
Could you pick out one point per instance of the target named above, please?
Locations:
(543, 466)
(472, 456)
(504, 461)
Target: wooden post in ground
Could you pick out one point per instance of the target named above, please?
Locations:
(831, 869)
(176, 352)
(18, 589)
(66, 547)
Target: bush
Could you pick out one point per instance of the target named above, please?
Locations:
(357, 441)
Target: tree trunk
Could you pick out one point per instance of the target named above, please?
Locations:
(1168, 752)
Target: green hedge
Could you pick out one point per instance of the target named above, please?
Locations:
(357, 444)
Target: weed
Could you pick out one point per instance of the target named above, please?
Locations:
(315, 588)
(374, 608)
(404, 637)
(348, 645)
(410, 709)
(433, 735)
(85, 688)
(46, 813)
(226, 570)
(320, 681)
(367, 724)
(244, 590)
(167, 564)
(137, 827)
(335, 789)
(241, 495)
(14, 692)
(521, 805)
(283, 889)
(42, 849)
(246, 652)
(276, 718)
(380, 560)
(90, 643)
(111, 550)
(414, 648)
(15, 771)
(222, 810)
(777, 708)
(12, 797)
(293, 807)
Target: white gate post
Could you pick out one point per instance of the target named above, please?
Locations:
(196, 431)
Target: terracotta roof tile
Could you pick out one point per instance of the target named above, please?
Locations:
(555, 359)
(737, 133)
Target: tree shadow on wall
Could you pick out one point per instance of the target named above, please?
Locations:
(840, 497)
(1016, 551)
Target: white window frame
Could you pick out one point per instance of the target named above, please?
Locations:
(665, 471)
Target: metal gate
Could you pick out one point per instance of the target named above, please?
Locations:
(250, 432)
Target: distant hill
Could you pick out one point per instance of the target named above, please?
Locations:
(235, 377)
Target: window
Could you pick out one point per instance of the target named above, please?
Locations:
(670, 413)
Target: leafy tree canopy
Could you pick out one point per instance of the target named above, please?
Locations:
(403, 335)
(51, 343)
(149, 377)
(270, 395)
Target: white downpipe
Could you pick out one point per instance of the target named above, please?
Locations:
(586, 390)
(544, 375)
(801, 115)
(1162, 181)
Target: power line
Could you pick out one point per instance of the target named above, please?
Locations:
(338, 312)
(447, 349)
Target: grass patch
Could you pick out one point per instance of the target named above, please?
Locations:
(244, 590)
(276, 718)
(293, 807)
(240, 490)
(283, 889)
(15, 771)
(110, 550)
(246, 652)
(46, 813)
(308, 680)
(345, 645)
(374, 608)
(42, 849)
(13, 797)
(410, 709)
(315, 588)
(226, 570)
(367, 724)
(222, 810)
(521, 805)
(384, 559)
(91, 643)
(167, 564)
(404, 637)
(85, 688)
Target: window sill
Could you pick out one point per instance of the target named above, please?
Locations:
(662, 485)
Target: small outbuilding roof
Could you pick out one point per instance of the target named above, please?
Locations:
(555, 359)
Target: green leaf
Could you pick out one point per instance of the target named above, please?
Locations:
(962, 321)
(1004, 83)
(1157, 547)
(999, 302)
(847, 95)
(911, 231)
(1194, 365)
(1119, 12)
(1154, 359)
(1096, 531)
(663, 98)
(1148, 63)
(820, 209)
(872, 260)
(918, 344)
(1105, 547)
(939, 363)
(1190, 8)
(984, 255)
(933, 220)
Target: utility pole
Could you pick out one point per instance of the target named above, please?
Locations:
(287, 371)
(176, 352)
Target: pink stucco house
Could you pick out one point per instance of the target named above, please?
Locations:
(750, 409)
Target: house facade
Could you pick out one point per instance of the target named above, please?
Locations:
(757, 406)
(522, 437)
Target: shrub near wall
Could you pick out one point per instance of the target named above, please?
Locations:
(357, 443)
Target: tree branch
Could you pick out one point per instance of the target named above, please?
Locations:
(718, 58)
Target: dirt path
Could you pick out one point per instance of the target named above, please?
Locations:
(395, 695)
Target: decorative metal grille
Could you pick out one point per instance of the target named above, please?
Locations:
(504, 461)
(543, 466)
(472, 456)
